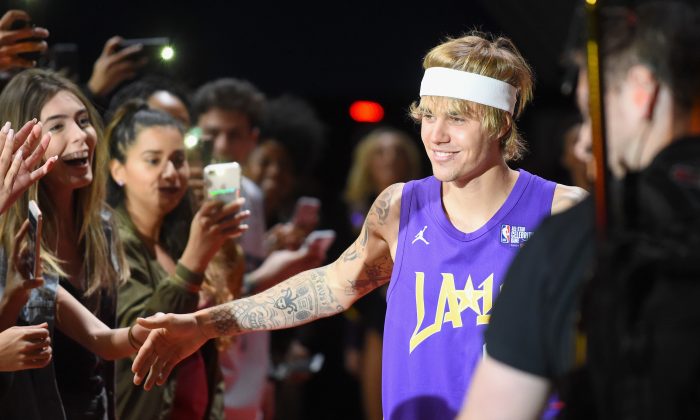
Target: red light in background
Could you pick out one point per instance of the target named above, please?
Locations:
(366, 111)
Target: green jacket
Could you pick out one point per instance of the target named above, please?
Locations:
(149, 290)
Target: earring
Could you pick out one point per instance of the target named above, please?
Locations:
(120, 183)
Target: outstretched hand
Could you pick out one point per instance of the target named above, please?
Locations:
(21, 152)
(173, 338)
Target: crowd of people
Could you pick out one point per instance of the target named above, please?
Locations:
(481, 291)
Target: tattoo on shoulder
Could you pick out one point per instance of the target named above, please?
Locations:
(383, 204)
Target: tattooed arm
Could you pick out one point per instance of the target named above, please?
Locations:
(313, 294)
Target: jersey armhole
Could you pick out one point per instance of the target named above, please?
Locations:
(405, 210)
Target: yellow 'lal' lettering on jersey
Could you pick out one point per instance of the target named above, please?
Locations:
(455, 301)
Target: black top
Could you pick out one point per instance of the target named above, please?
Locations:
(80, 374)
(533, 319)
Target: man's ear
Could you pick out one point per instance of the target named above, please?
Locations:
(116, 170)
(644, 88)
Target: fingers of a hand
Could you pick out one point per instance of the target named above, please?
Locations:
(24, 33)
(22, 134)
(143, 361)
(155, 321)
(37, 147)
(150, 379)
(23, 47)
(12, 15)
(37, 346)
(6, 156)
(111, 45)
(33, 284)
(14, 170)
(33, 139)
(43, 170)
(232, 207)
(14, 62)
(156, 376)
(34, 362)
(37, 333)
(231, 222)
(126, 52)
(167, 368)
(210, 207)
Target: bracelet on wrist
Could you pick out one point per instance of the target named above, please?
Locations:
(132, 340)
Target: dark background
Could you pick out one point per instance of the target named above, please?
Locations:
(331, 54)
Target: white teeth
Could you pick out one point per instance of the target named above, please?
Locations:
(443, 154)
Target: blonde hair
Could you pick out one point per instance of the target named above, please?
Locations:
(498, 59)
(21, 100)
(361, 188)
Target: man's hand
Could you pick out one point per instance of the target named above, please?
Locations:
(21, 152)
(25, 348)
(114, 66)
(10, 48)
(173, 337)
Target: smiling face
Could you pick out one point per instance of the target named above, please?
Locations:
(154, 172)
(458, 149)
(73, 140)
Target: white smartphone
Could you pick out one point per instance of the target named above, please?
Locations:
(222, 181)
(320, 239)
(306, 213)
(34, 239)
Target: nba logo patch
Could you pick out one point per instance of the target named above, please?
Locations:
(505, 234)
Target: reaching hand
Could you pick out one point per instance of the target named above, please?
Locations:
(21, 152)
(114, 66)
(212, 225)
(25, 348)
(31, 40)
(173, 337)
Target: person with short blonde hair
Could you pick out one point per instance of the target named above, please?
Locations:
(442, 243)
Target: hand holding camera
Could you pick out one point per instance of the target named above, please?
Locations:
(115, 65)
(21, 43)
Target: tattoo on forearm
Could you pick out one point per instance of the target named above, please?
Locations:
(303, 298)
(374, 275)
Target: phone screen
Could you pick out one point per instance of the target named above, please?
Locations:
(223, 181)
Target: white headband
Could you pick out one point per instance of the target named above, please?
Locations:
(451, 83)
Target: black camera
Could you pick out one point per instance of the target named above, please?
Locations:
(21, 24)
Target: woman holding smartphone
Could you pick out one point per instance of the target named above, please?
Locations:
(168, 249)
(81, 258)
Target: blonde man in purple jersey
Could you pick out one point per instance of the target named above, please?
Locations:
(471, 217)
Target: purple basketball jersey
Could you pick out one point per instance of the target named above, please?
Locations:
(441, 294)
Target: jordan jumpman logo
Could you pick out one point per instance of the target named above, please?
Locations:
(419, 236)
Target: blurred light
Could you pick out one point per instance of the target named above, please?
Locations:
(167, 53)
(366, 111)
(591, 1)
(191, 140)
